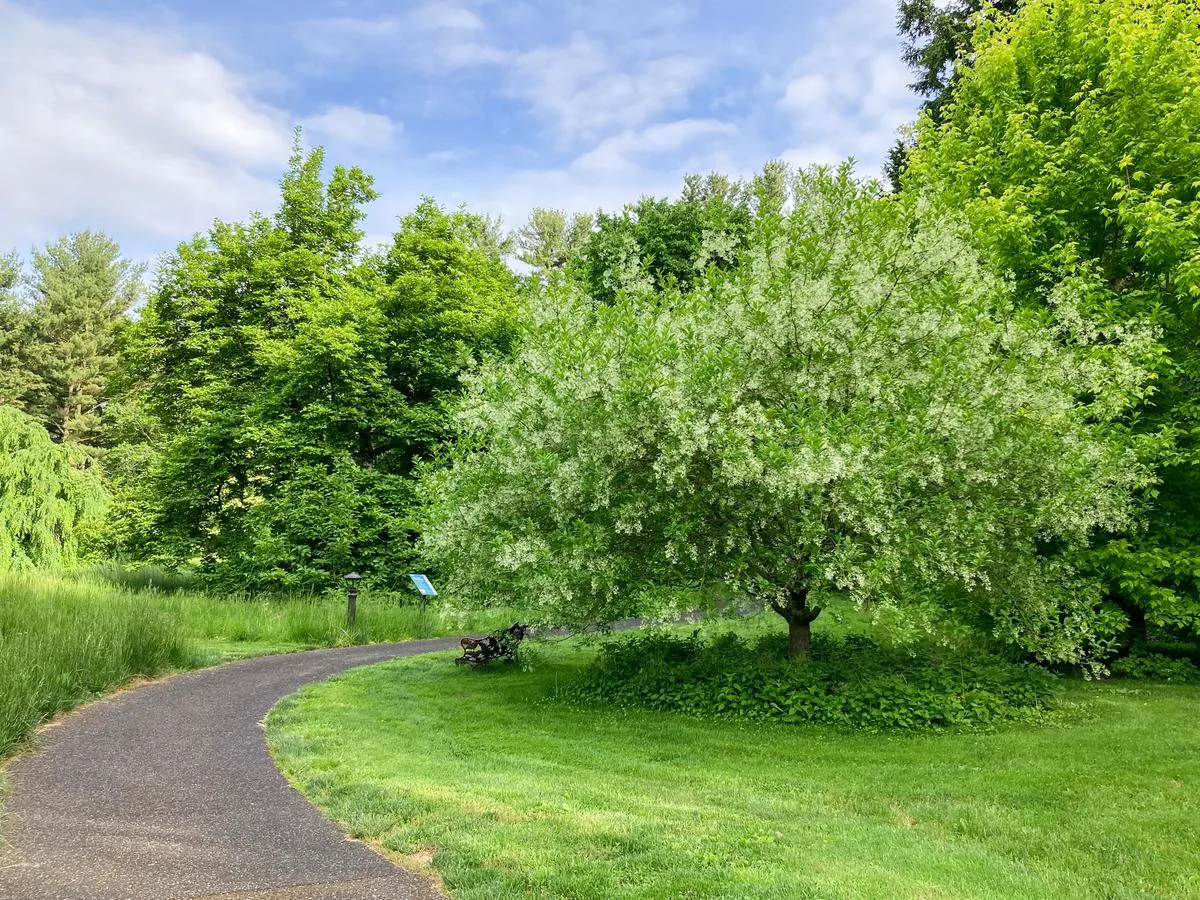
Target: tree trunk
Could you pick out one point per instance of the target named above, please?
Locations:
(799, 638)
(1137, 625)
(799, 616)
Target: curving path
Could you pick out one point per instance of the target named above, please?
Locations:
(168, 791)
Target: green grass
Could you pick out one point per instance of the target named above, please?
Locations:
(65, 639)
(62, 642)
(512, 796)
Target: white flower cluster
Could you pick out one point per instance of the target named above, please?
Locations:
(857, 406)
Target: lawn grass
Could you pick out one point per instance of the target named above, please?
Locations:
(512, 796)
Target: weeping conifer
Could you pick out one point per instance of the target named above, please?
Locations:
(44, 496)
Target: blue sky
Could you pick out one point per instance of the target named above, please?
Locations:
(150, 120)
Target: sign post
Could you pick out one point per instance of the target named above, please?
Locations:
(424, 587)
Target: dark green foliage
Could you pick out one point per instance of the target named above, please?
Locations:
(285, 383)
(1156, 667)
(58, 339)
(16, 381)
(671, 241)
(83, 290)
(850, 681)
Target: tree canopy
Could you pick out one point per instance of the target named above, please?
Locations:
(667, 241)
(1069, 141)
(856, 408)
(939, 42)
(58, 332)
(295, 377)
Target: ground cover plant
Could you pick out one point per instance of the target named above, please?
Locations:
(850, 681)
(1156, 667)
(503, 794)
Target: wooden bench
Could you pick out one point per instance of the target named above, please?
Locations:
(497, 645)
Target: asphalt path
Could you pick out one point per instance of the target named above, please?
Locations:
(168, 791)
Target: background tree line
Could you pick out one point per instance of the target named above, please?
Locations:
(262, 415)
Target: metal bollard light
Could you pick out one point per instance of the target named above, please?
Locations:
(352, 581)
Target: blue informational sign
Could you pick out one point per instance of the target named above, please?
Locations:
(423, 585)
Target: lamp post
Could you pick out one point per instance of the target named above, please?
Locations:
(352, 581)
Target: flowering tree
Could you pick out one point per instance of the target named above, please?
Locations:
(857, 409)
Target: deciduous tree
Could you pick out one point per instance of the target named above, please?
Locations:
(292, 381)
(549, 240)
(46, 493)
(1070, 141)
(667, 241)
(857, 409)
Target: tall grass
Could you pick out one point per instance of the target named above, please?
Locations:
(66, 638)
(315, 621)
(62, 642)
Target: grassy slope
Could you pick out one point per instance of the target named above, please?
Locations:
(518, 798)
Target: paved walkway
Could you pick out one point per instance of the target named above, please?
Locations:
(168, 791)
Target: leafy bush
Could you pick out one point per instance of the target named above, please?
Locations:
(850, 681)
(1156, 667)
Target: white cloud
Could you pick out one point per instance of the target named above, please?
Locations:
(121, 127)
(622, 152)
(848, 95)
(134, 131)
(582, 90)
(439, 17)
(352, 129)
(806, 91)
(433, 38)
(816, 154)
(618, 170)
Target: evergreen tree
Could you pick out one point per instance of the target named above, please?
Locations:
(17, 383)
(82, 291)
(45, 495)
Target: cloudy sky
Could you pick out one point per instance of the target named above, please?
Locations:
(148, 120)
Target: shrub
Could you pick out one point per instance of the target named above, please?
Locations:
(1156, 667)
(850, 682)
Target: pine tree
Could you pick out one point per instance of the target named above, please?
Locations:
(83, 290)
(17, 383)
